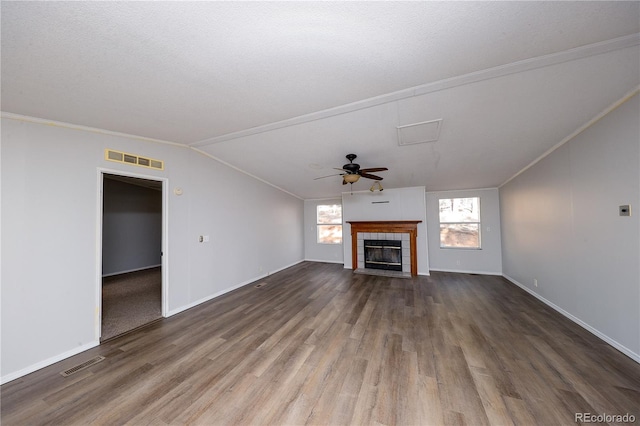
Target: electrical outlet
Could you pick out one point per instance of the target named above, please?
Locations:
(535, 282)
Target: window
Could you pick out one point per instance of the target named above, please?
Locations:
(460, 223)
(329, 222)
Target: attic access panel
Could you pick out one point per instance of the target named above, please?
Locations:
(423, 132)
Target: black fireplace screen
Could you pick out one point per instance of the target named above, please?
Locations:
(383, 254)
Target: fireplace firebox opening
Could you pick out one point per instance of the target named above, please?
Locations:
(383, 254)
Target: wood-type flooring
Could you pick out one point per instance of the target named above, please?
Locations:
(318, 344)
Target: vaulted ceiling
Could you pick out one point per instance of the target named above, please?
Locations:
(284, 90)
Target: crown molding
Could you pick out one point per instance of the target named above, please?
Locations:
(54, 123)
(213, 157)
(633, 92)
(477, 76)
(463, 190)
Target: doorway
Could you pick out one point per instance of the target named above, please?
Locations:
(132, 219)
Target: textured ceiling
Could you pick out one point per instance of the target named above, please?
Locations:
(283, 90)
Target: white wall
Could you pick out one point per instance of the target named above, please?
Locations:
(313, 250)
(390, 204)
(49, 239)
(487, 260)
(560, 225)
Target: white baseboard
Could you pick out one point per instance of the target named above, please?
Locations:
(284, 267)
(227, 290)
(47, 362)
(37, 366)
(207, 298)
(462, 271)
(131, 270)
(628, 352)
(325, 261)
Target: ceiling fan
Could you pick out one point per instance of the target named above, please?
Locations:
(352, 172)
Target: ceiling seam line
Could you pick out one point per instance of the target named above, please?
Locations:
(445, 84)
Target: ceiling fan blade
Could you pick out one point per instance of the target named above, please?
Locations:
(342, 170)
(322, 177)
(368, 176)
(374, 169)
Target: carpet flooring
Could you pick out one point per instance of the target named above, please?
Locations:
(130, 300)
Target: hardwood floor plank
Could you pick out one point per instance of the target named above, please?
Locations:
(387, 400)
(518, 411)
(536, 392)
(429, 406)
(344, 408)
(82, 409)
(287, 385)
(491, 397)
(327, 401)
(319, 345)
(457, 389)
(590, 398)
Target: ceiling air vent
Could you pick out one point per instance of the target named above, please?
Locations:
(136, 160)
(424, 132)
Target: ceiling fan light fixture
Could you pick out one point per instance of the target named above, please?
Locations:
(351, 178)
(376, 186)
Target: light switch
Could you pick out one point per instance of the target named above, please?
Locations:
(625, 210)
(206, 238)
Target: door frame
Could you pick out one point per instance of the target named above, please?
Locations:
(164, 245)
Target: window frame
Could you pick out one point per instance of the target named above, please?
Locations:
(320, 224)
(478, 223)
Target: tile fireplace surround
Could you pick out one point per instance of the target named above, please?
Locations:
(407, 230)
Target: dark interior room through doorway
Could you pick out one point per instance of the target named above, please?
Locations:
(131, 254)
